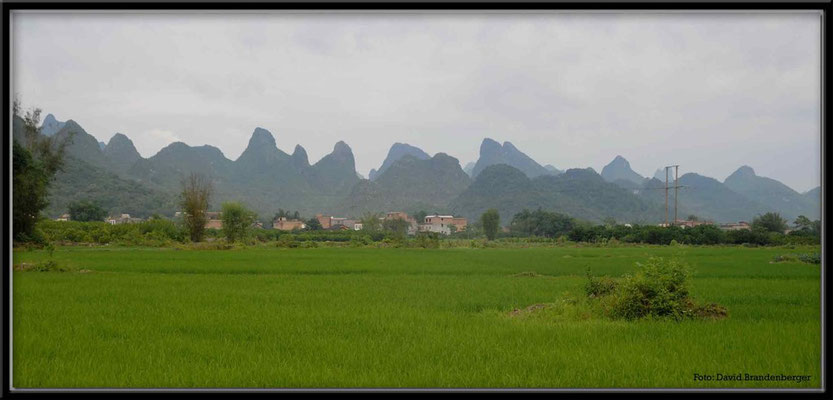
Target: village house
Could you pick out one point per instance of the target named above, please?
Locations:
(123, 219)
(691, 224)
(353, 224)
(215, 220)
(288, 224)
(735, 227)
(443, 224)
(338, 222)
(325, 221)
(63, 217)
(330, 222)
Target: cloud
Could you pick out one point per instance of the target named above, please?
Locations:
(710, 92)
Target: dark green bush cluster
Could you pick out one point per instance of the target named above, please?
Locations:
(596, 287)
(45, 266)
(428, 240)
(698, 235)
(658, 289)
(541, 223)
(811, 258)
(149, 233)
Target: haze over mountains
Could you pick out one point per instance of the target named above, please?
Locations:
(267, 178)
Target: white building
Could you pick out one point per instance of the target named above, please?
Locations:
(441, 224)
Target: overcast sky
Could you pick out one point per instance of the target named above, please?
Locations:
(710, 92)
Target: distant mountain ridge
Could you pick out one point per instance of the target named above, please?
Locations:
(50, 125)
(396, 152)
(409, 184)
(492, 152)
(581, 193)
(266, 178)
(620, 169)
(772, 193)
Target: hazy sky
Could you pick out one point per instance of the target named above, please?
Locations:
(710, 92)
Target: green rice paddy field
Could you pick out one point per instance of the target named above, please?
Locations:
(367, 317)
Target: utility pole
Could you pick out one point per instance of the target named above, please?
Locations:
(676, 185)
(666, 197)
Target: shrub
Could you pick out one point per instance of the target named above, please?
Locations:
(814, 258)
(359, 241)
(46, 266)
(287, 241)
(428, 240)
(599, 287)
(658, 289)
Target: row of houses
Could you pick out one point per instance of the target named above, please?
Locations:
(112, 220)
(734, 226)
(445, 224)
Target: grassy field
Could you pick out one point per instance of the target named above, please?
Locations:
(327, 317)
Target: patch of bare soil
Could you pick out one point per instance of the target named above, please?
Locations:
(24, 267)
(712, 311)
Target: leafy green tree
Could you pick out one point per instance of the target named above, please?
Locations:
(805, 226)
(371, 222)
(544, 223)
(313, 224)
(397, 226)
(86, 210)
(420, 216)
(280, 214)
(29, 194)
(196, 193)
(802, 223)
(34, 164)
(490, 220)
(693, 217)
(769, 222)
(237, 219)
(286, 214)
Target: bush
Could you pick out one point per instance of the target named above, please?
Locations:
(155, 232)
(428, 240)
(599, 287)
(659, 289)
(287, 241)
(814, 258)
(45, 266)
(360, 241)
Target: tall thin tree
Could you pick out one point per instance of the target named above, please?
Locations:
(196, 194)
